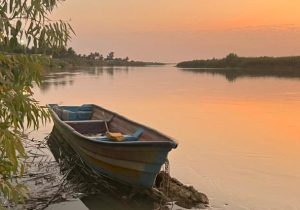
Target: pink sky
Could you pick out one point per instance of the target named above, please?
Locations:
(176, 30)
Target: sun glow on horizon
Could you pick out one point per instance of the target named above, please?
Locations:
(135, 25)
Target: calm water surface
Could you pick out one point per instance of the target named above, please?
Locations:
(239, 141)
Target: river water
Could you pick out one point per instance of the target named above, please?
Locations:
(239, 139)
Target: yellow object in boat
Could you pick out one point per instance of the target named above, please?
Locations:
(115, 136)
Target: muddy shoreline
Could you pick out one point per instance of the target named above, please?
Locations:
(57, 174)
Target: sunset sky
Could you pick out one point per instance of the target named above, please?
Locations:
(176, 30)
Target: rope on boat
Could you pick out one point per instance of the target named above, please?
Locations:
(166, 177)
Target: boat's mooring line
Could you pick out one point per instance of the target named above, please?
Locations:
(166, 179)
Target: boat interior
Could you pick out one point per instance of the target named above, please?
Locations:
(96, 123)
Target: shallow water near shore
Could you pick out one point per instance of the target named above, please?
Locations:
(239, 140)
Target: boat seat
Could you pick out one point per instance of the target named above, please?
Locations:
(86, 107)
(133, 137)
(83, 121)
(78, 115)
(72, 113)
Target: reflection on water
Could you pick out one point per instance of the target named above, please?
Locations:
(234, 74)
(65, 77)
(238, 142)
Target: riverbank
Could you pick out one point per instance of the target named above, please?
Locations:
(70, 58)
(71, 63)
(56, 63)
(234, 61)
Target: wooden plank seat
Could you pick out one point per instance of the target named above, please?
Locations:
(70, 113)
(83, 121)
(87, 126)
(133, 137)
(77, 115)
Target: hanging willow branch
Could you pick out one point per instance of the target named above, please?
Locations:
(22, 21)
(27, 21)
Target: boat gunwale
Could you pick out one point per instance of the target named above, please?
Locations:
(169, 143)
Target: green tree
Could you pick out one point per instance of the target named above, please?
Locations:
(110, 56)
(22, 21)
(71, 52)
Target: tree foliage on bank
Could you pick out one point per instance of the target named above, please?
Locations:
(71, 58)
(22, 21)
(234, 61)
(63, 56)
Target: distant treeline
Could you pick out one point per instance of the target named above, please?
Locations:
(68, 57)
(234, 61)
(96, 59)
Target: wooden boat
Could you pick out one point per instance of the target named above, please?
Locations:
(136, 160)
